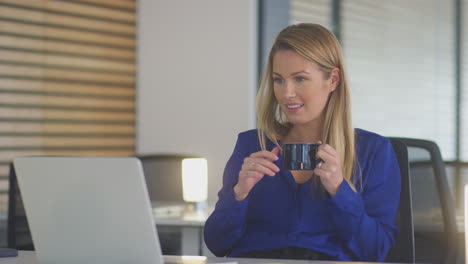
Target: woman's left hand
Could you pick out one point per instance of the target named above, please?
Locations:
(330, 172)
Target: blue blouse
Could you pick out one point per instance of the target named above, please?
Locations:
(280, 213)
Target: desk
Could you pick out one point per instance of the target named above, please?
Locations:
(29, 257)
(190, 222)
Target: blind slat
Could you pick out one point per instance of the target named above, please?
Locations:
(6, 142)
(131, 5)
(58, 87)
(65, 128)
(44, 32)
(66, 75)
(65, 61)
(37, 16)
(65, 101)
(48, 114)
(75, 9)
(50, 46)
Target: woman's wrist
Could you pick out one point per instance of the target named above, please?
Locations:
(238, 195)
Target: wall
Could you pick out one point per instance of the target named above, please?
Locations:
(196, 78)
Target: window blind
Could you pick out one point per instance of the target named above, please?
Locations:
(67, 80)
(464, 84)
(306, 11)
(401, 66)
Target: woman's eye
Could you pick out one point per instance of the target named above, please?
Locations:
(278, 80)
(300, 79)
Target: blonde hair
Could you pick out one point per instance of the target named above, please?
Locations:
(317, 44)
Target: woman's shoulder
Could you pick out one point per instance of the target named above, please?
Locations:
(248, 140)
(369, 143)
(368, 138)
(249, 134)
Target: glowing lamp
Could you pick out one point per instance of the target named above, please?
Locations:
(195, 180)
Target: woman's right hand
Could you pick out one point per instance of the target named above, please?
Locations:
(253, 169)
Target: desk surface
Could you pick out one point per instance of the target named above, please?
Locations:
(166, 214)
(29, 257)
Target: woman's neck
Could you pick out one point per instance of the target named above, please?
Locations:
(304, 133)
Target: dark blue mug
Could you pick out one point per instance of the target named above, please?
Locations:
(300, 156)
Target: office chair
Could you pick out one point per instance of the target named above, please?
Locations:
(432, 200)
(18, 233)
(403, 250)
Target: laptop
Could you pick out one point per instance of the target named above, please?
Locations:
(88, 210)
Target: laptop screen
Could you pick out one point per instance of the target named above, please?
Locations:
(88, 209)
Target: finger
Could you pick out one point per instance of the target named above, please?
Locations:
(329, 149)
(325, 156)
(250, 162)
(262, 167)
(269, 164)
(250, 174)
(329, 167)
(265, 154)
(322, 172)
(275, 151)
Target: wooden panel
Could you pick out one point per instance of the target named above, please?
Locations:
(37, 16)
(65, 34)
(10, 155)
(76, 9)
(51, 114)
(65, 61)
(68, 48)
(65, 128)
(60, 87)
(67, 75)
(6, 142)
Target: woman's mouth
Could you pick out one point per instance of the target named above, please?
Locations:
(294, 107)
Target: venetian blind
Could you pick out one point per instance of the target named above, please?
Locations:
(400, 57)
(67, 79)
(464, 83)
(306, 11)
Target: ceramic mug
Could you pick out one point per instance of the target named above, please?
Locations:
(300, 156)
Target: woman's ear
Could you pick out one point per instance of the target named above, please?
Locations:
(334, 78)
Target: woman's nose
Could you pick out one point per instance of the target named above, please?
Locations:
(289, 90)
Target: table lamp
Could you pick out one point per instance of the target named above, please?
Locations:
(195, 182)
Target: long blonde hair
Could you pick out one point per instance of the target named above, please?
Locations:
(317, 44)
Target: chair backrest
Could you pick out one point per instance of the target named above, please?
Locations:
(433, 203)
(403, 250)
(18, 233)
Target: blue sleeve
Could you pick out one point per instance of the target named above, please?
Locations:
(226, 224)
(366, 221)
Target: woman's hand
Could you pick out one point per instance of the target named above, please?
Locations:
(329, 171)
(253, 169)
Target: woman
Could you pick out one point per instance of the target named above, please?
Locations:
(342, 210)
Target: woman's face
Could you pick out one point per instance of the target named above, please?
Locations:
(300, 87)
